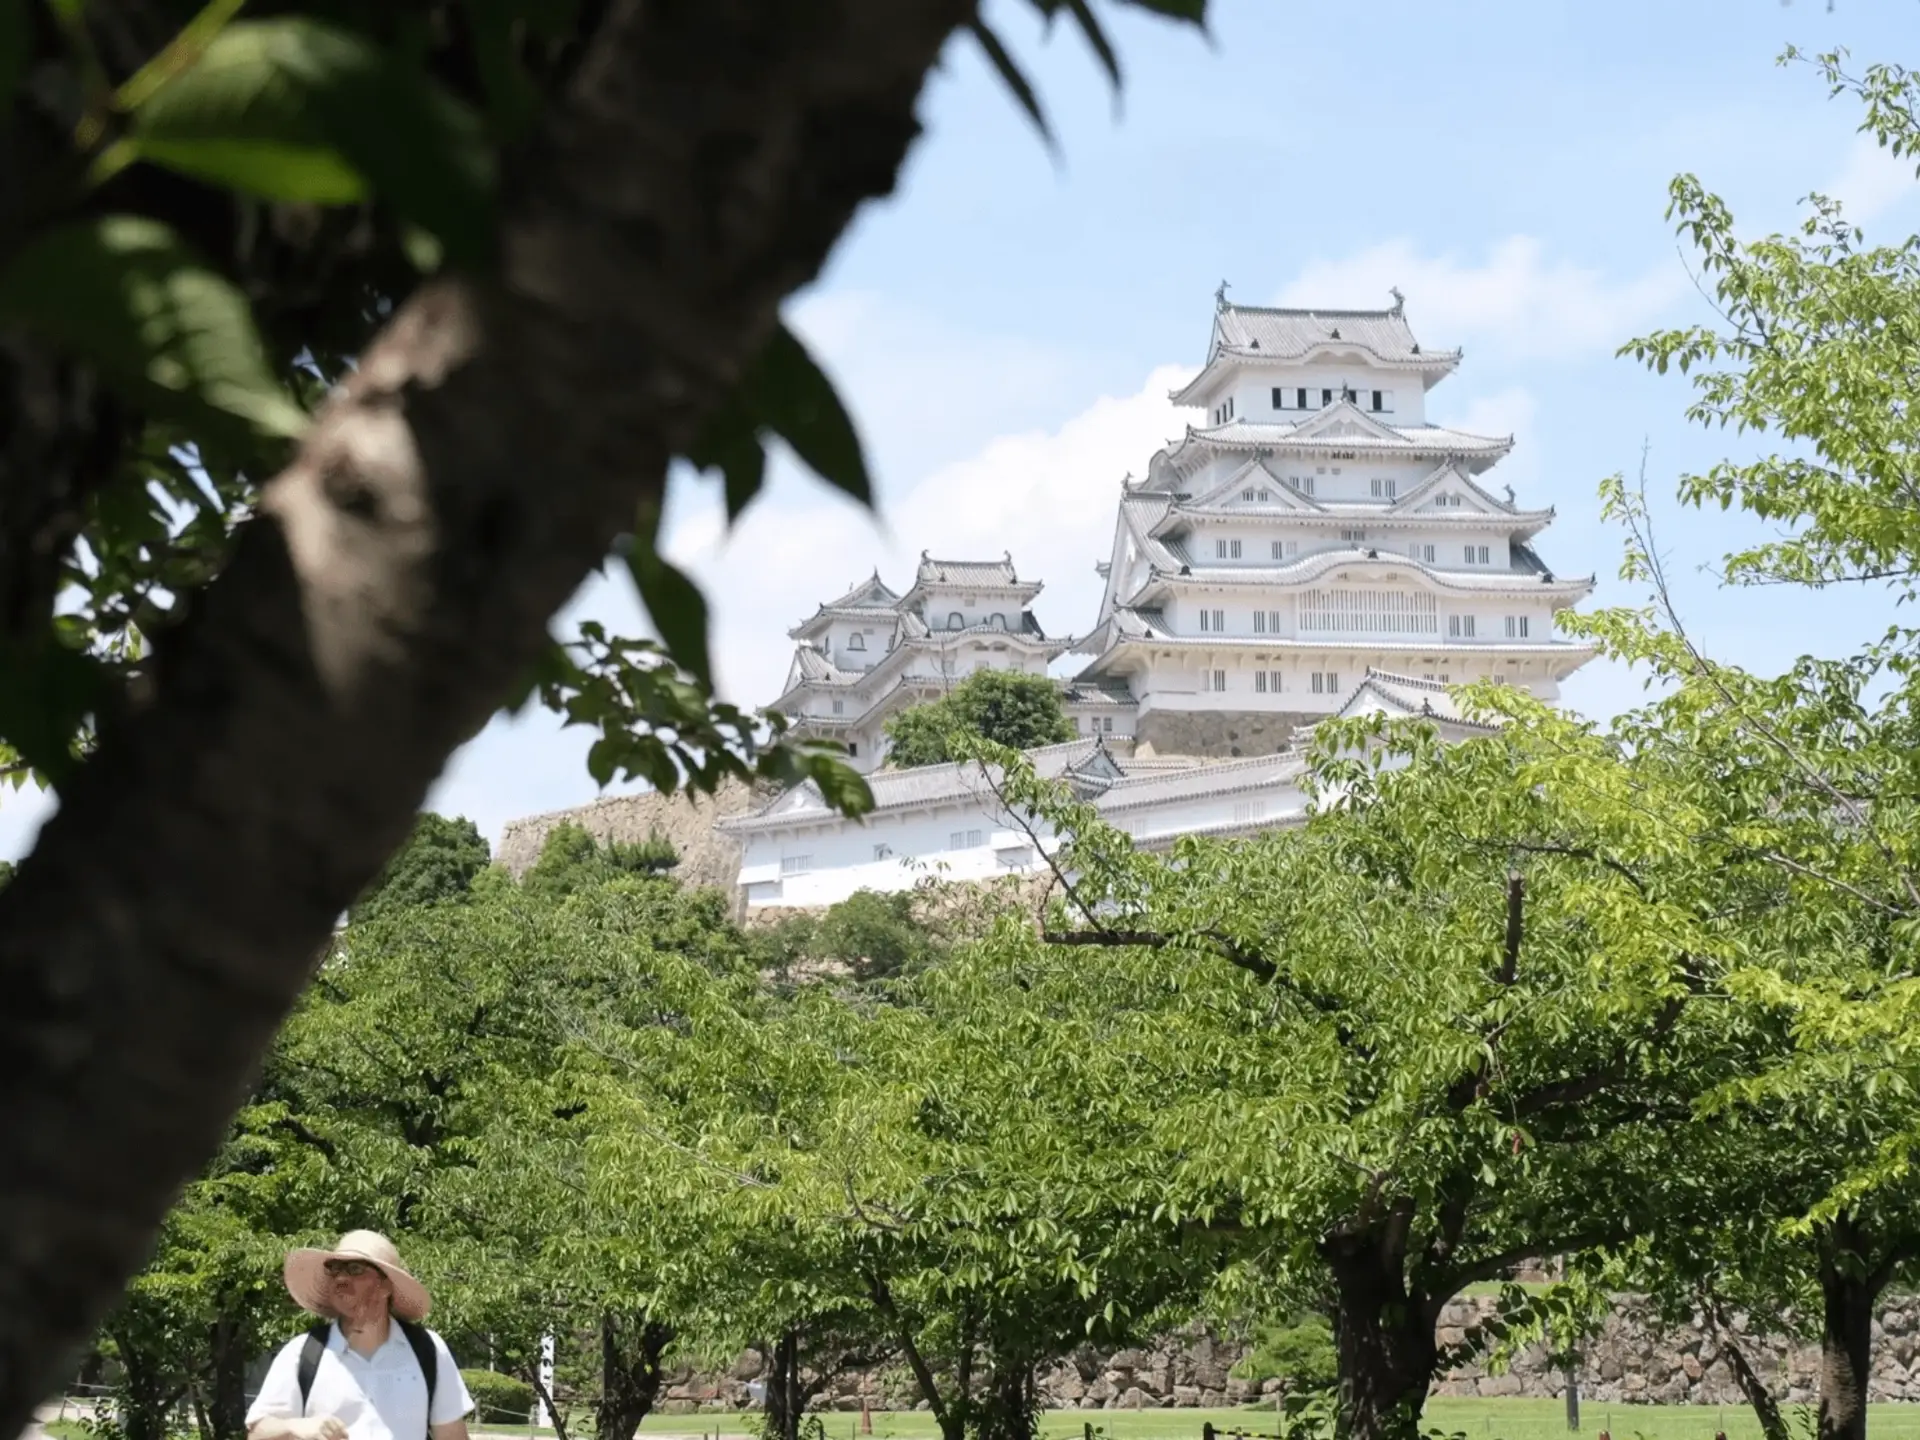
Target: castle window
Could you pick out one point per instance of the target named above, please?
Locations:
(853, 749)
(1106, 723)
(1259, 622)
(997, 620)
(1341, 610)
(1353, 537)
(1326, 682)
(1460, 627)
(1385, 489)
(1266, 495)
(1517, 627)
(839, 707)
(1476, 555)
(1217, 680)
(1382, 402)
(1326, 397)
(956, 621)
(795, 864)
(856, 641)
(1246, 494)
(1277, 550)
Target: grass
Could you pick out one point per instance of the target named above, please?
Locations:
(64, 1430)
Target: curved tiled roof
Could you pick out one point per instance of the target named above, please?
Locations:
(1278, 333)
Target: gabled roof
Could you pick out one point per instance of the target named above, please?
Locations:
(810, 665)
(870, 594)
(1345, 421)
(1086, 763)
(975, 574)
(1525, 573)
(1112, 694)
(1359, 432)
(998, 574)
(1449, 475)
(1277, 335)
(1209, 778)
(868, 600)
(1407, 697)
(1285, 497)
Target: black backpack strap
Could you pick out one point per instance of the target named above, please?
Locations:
(421, 1339)
(311, 1349)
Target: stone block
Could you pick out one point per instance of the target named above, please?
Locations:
(1217, 733)
(1188, 1395)
(1135, 1399)
(1500, 1385)
(749, 1365)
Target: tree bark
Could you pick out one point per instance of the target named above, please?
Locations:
(396, 581)
(1383, 1338)
(784, 1402)
(1773, 1425)
(631, 1348)
(1847, 1295)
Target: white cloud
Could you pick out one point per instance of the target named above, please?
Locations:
(22, 812)
(1046, 496)
(1871, 182)
(1518, 301)
(1504, 412)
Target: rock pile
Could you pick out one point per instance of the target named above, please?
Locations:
(1634, 1360)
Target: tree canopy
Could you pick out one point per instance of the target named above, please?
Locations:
(345, 341)
(1005, 707)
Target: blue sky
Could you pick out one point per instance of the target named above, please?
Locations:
(1005, 328)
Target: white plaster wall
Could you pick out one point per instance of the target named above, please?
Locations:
(1275, 804)
(1252, 391)
(1175, 685)
(839, 638)
(975, 607)
(843, 856)
(1082, 715)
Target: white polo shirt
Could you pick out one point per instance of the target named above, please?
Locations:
(382, 1396)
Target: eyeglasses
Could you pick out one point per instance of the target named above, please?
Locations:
(353, 1269)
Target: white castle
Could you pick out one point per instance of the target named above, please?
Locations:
(1316, 548)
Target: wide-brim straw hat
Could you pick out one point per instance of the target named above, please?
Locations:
(307, 1282)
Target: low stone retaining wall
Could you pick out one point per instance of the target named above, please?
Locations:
(1633, 1360)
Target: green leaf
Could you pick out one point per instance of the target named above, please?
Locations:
(1097, 38)
(784, 391)
(46, 695)
(1193, 12)
(678, 609)
(1017, 82)
(293, 109)
(797, 401)
(126, 295)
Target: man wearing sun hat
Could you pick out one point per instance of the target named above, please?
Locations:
(369, 1369)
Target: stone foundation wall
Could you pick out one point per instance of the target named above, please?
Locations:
(1633, 1361)
(1217, 734)
(706, 857)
